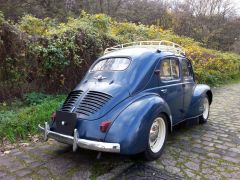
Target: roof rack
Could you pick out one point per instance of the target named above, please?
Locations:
(158, 45)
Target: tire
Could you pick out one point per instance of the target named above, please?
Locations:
(156, 138)
(206, 105)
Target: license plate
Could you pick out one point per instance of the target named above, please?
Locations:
(65, 122)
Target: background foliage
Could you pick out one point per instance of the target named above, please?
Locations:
(214, 23)
(44, 55)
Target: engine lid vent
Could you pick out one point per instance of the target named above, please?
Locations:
(92, 102)
(72, 98)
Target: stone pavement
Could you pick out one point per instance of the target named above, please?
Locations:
(209, 151)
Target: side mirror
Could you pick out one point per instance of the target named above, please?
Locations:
(157, 71)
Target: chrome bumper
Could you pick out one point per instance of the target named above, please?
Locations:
(77, 142)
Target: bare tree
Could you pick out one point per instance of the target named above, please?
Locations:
(69, 4)
(212, 22)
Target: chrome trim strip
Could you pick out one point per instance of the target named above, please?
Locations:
(171, 122)
(46, 128)
(77, 142)
(187, 119)
(160, 87)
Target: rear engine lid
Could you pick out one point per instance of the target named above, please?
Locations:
(93, 104)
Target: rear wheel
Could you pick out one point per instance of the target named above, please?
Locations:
(206, 107)
(157, 138)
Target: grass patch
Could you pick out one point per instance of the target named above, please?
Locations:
(233, 81)
(19, 119)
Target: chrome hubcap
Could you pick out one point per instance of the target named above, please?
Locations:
(157, 134)
(205, 108)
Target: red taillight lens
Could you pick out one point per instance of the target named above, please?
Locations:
(53, 117)
(104, 125)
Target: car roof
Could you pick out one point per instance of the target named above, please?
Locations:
(137, 52)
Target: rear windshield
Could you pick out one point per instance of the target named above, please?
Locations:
(112, 64)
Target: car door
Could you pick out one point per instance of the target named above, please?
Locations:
(188, 84)
(170, 87)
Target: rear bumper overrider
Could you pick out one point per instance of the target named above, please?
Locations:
(77, 142)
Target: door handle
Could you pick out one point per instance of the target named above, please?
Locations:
(163, 90)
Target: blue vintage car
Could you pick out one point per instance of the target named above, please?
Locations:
(130, 99)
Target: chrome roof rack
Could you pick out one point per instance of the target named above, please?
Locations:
(158, 45)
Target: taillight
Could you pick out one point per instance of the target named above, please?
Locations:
(104, 125)
(53, 117)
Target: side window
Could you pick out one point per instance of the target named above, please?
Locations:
(165, 70)
(169, 69)
(186, 69)
(175, 69)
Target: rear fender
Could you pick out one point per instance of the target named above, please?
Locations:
(196, 106)
(131, 127)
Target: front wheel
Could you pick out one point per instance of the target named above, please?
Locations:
(206, 108)
(156, 138)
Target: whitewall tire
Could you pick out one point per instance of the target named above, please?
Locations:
(157, 137)
(206, 109)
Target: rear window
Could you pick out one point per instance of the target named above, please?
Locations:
(112, 64)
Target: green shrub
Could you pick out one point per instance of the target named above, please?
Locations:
(34, 98)
(21, 121)
(56, 56)
(1, 18)
(211, 66)
(35, 26)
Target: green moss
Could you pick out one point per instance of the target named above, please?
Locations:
(100, 167)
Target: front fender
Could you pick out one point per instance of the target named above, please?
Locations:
(196, 106)
(132, 125)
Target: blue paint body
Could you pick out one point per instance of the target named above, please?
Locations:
(137, 98)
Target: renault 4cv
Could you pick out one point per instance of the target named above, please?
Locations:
(130, 99)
